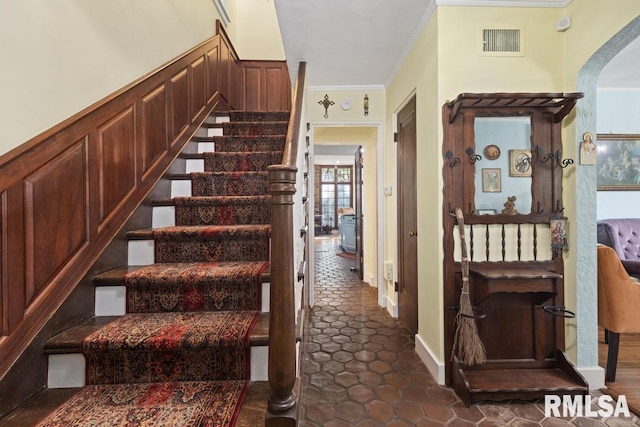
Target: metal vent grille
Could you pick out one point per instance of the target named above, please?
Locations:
(496, 40)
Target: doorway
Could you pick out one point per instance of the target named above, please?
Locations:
(366, 139)
(407, 218)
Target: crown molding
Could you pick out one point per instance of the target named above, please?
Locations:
(346, 88)
(505, 3)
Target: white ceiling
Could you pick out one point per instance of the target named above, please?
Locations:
(361, 42)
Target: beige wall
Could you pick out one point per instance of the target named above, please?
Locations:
(336, 113)
(60, 57)
(256, 34)
(419, 74)
(551, 62)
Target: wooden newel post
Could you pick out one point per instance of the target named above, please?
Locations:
(282, 407)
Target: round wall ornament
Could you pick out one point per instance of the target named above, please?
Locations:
(492, 152)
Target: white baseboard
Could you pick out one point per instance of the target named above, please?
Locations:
(594, 376)
(392, 308)
(435, 367)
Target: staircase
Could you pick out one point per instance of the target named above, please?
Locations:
(192, 305)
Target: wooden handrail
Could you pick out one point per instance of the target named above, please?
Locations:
(282, 405)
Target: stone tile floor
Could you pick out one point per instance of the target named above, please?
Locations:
(359, 366)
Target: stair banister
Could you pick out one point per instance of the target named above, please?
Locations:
(282, 405)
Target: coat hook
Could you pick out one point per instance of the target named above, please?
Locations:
(452, 160)
(473, 157)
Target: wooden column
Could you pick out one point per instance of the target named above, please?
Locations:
(282, 406)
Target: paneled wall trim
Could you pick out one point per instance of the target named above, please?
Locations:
(65, 194)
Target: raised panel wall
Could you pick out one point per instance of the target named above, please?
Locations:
(266, 86)
(154, 131)
(179, 106)
(67, 192)
(197, 87)
(116, 146)
(53, 236)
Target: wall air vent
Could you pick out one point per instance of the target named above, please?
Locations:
(502, 42)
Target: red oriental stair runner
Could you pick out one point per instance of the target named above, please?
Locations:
(180, 356)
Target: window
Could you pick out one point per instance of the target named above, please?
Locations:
(335, 192)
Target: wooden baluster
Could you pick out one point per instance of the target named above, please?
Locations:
(503, 243)
(535, 242)
(519, 243)
(487, 241)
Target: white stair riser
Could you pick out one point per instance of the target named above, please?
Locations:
(194, 165)
(206, 147)
(163, 216)
(68, 370)
(112, 300)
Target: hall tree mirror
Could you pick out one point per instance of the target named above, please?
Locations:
(504, 163)
(499, 147)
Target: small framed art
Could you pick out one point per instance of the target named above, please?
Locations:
(520, 163)
(491, 180)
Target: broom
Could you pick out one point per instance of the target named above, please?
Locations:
(467, 346)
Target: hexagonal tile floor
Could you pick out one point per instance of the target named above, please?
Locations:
(360, 368)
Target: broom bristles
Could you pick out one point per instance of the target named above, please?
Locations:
(466, 346)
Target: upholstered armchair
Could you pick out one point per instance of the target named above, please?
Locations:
(623, 235)
(618, 303)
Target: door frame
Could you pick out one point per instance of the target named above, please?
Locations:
(379, 216)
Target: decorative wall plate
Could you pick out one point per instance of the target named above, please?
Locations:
(492, 152)
(346, 105)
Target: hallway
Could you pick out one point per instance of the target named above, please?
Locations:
(359, 366)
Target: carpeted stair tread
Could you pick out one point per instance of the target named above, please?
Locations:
(255, 128)
(212, 243)
(70, 340)
(115, 277)
(148, 233)
(159, 347)
(231, 143)
(241, 161)
(228, 183)
(183, 287)
(215, 231)
(256, 116)
(222, 210)
(189, 403)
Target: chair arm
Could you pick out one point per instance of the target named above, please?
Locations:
(618, 295)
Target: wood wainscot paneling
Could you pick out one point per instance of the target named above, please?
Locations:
(154, 130)
(197, 86)
(67, 192)
(179, 104)
(116, 158)
(213, 59)
(54, 236)
(266, 85)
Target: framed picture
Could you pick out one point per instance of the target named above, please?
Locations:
(587, 150)
(520, 163)
(618, 161)
(486, 211)
(491, 180)
(559, 242)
